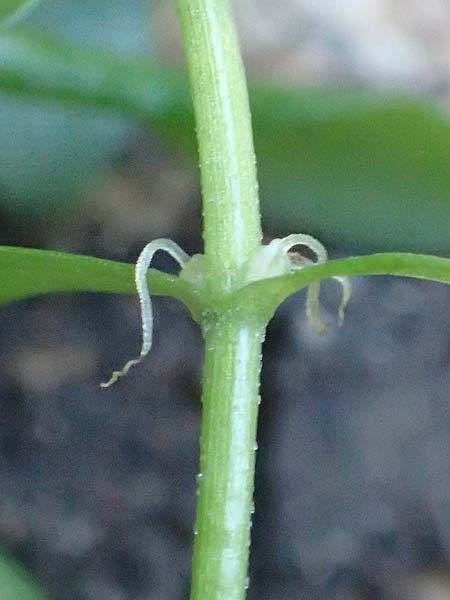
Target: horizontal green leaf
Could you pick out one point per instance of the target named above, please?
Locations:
(25, 272)
(14, 9)
(269, 293)
(354, 167)
(15, 583)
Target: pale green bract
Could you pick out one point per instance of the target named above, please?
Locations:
(142, 266)
(276, 259)
(271, 260)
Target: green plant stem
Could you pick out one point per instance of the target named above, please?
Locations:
(227, 461)
(233, 337)
(231, 226)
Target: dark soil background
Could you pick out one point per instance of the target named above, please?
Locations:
(98, 487)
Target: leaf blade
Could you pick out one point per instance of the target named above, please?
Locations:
(11, 10)
(16, 583)
(27, 272)
(268, 294)
(37, 65)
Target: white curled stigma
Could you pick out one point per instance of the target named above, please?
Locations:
(275, 259)
(142, 266)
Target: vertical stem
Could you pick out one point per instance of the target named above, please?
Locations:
(233, 334)
(231, 227)
(227, 461)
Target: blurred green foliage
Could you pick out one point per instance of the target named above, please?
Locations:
(356, 168)
(14, 9)
(49, 154)
(15, 582)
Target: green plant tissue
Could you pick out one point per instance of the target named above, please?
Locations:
(49, 153)
(16, 583)
(11, 10)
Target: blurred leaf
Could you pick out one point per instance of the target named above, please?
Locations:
(49, 154)
(39, 66)
(354, 167)
(16, 583)
(122, 26)
(25, 272)
(271, 292)
(14, 9)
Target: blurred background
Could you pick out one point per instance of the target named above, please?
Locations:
(352, 128)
